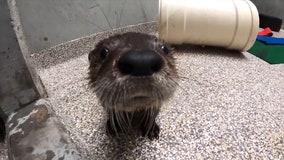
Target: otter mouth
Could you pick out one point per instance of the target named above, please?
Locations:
(141, 98)
(136, 102)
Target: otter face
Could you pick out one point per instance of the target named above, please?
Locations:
(132, 72)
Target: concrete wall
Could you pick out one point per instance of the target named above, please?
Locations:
(18, 84)
(50, 22)
(271, 7)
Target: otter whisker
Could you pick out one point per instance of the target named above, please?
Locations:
(183, 89)
(182, 77)
(150, 120)
(131, 120)
(112, 122)
(118, 119)
(124, 117)
(147, 117)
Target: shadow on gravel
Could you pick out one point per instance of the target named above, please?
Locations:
(208, 50)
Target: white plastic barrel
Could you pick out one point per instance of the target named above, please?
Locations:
(232, 24)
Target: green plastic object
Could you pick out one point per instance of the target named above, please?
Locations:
(273, 54)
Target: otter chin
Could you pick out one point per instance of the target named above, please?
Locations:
(132, 74)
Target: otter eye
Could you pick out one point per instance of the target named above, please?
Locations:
(104, 53)
(165, 49)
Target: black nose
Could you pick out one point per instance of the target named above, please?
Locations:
(140, 63)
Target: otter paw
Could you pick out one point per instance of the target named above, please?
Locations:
(153, 133)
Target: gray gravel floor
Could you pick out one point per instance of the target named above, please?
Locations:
(229, 105)
(3, 152)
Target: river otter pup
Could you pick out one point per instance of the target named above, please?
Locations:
(132, 74)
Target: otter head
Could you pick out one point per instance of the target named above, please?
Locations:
(132, 72)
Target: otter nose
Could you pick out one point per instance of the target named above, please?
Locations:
(140, 63)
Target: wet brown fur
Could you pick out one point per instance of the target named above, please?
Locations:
(132, 102)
